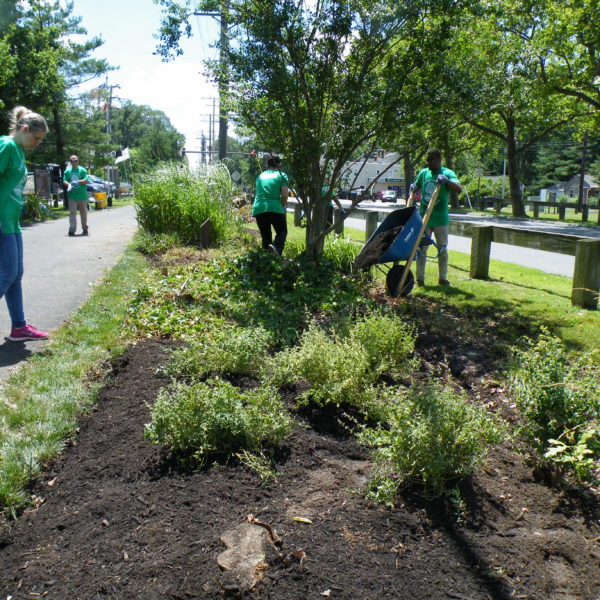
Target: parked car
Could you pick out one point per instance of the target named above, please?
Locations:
(389, 196)
(94, 187)
(96, 184)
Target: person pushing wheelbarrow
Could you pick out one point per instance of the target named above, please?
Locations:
(427, 180)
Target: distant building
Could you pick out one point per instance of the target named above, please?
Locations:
(570, 189)
(359, 177)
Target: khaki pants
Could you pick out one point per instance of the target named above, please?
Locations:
(441, 239)
(74, 206)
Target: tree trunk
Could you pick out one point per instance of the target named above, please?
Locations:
(315, 222)
(60, 147)
(518, 208)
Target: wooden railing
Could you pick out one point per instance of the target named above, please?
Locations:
(496, 204)
(586, 273)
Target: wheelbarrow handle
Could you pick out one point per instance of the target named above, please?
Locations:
(411, 257)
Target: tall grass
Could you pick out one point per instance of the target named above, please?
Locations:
(176, 199)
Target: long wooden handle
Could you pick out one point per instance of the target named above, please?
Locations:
(430, 206)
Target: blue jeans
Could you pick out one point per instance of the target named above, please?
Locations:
(11, 274)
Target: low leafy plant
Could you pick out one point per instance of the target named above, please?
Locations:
(557, 396)
(224, 350)
(34, 208)
(577, 452)
(156, 243)
(430, 435)
(216, 418)
(341, 252)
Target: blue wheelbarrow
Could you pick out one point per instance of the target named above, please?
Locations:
(399, 238)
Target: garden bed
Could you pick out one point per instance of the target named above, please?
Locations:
(116, 518)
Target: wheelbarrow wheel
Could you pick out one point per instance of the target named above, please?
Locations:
(393, 278)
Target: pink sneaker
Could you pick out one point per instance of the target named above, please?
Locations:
(27, 332)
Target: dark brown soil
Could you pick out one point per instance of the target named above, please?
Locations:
(374, 250)
(116, 519)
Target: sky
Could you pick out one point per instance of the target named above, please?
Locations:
(178, 87)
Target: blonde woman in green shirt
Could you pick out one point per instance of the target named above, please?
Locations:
(26, 131)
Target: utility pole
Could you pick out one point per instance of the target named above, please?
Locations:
(582, 170)
(223, 79)
(109, 105)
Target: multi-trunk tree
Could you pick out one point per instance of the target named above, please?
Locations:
(322, 82)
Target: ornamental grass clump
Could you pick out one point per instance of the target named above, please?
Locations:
(229, 349)
(177, 199)
(559, 399)
(429, 435)
(215, 418)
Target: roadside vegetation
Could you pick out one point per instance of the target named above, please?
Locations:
(260, 340)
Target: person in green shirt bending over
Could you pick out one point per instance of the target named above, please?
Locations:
(75, 178)
(26, 132)
(270, 205)
(426, 182)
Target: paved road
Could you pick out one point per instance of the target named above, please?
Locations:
(548, 262)
(60, 271)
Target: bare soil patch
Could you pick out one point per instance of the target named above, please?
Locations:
(115, 518)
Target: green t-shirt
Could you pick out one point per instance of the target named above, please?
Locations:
(13, 176)
(324, 191)
(78, 193)
(268, 192)
(426, 182)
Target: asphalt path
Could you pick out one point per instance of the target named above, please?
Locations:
(548, 262)
(60, 272)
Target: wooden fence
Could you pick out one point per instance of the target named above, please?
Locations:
(586, 273)
(496, 204)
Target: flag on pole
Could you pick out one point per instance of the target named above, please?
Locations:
(124, 156)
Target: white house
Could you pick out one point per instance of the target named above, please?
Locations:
(358, 176)
(570, 189)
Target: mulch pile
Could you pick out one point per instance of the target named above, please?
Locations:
(376, 248)
(115, 518)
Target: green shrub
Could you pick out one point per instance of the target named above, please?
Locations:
(224, 350)
(559, 398)
(215, 417)
(344, 367)
(430, 435)
(388, 341)
(334, 367)
(174, 199)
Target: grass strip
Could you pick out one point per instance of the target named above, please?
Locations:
(40, 403)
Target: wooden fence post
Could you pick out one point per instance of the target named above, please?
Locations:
(372, 218)
(481, 247)
(205, 234)
(297, 215)
(585, 213)
(338, 221)
(586, 275)
(536, 210)
(561, 212)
